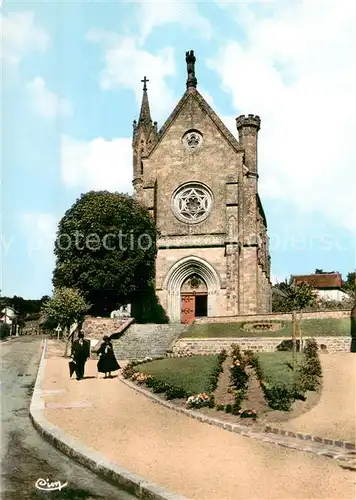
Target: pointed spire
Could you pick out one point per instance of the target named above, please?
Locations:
(145, 114)
(190, 60)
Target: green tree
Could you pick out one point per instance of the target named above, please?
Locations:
(67, 306)
(106, 248)
(288, 296)
(349, 285)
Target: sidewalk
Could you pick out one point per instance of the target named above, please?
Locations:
(334, 416)
(182, 454)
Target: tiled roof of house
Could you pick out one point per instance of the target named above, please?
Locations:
(330, 280)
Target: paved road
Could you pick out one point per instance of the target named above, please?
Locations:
(25, 455)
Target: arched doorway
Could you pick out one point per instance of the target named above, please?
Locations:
(179, 275)
(194, 299)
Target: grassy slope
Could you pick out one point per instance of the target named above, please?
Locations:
(310, 327)
(276, 367)
(193, 373)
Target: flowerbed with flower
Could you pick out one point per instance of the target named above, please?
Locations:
(239, 379)
(157, 384)
(279, 388)
(282, 387)
(200, 401)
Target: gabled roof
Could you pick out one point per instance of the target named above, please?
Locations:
(325, 280)
(192, 93)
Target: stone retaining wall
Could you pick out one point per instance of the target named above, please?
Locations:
(98, 327)
(276, 316)
(186, 346)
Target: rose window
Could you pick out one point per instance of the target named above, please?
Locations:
(192, 140)
(192, 203)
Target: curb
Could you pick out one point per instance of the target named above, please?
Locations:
(238, 428)
(96, 462)
(308, 437)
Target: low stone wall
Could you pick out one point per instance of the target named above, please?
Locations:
(98, 327)
(190, 346)
(274, 316)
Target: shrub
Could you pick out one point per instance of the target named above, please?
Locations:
(278, 396)
(310, 372)
(217, 370)
(146, 308)
(4, 330)
(287, 345)
(157, 386)
(176, 393)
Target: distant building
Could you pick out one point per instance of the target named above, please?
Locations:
(328, 286)
(8, 315)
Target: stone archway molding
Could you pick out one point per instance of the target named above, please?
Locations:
(176, 276)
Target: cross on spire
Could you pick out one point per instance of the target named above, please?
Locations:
(144, 81)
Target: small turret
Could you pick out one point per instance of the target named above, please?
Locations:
(144, 135)
(248, 127)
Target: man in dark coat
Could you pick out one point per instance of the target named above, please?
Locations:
(80, 354)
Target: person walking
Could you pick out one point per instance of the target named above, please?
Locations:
(107, 362)
(80, 354)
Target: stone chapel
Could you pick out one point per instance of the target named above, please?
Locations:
(201, 185)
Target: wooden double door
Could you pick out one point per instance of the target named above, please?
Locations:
(193, 305)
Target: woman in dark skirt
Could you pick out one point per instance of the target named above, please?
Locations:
(107, 362)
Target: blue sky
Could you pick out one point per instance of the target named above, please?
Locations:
(71, 89)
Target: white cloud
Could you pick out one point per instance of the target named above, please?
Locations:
(20, 35)
(294, 69)
(45, 102)
(152, 14)
(40, 231)
(97, 164)
(126, 64)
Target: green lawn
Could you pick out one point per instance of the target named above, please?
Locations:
(192, 374)
(276, 367)
(310, 328)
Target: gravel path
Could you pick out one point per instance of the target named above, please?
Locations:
(192, 458)
(334, 416)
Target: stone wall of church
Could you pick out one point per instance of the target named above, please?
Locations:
(232, 226)
(172, 165)
(167, 258)
(249, 280)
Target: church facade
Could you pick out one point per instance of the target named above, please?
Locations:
(201, 185)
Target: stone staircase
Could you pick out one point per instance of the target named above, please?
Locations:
(148, 340)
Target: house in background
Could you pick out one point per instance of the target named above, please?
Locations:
(8, 315)
(328, 286)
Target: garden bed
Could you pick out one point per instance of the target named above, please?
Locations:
(243, 387)
(310, 328)
(194, 374)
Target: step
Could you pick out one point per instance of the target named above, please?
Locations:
(140, 341)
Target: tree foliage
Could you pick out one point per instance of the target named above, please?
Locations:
(349, 285)
(66, 307)
(288, 296)
(26, 309)
(147, 309)
(107, 259)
